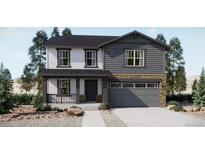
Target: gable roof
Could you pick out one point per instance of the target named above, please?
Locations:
(134, 33)
(93, 41)
(89, 41)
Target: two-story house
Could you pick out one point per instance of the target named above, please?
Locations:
(125, 71)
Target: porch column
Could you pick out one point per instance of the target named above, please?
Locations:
(77, 90)
(45, 90)
(105, 91)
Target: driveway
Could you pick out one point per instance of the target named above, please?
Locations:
(156, 117)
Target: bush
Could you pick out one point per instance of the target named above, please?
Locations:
(180, 98)
(104, 106)
(176, 106)
(38, 102)
(5, 107)
(22, 99)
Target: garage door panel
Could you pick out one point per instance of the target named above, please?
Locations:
(152, 92)
(134, 97)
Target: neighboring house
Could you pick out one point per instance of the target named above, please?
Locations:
(125, 71)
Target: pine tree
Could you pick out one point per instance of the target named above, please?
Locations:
(160, 37)
(6, 84)
(37, 55)
(199, 92)
(180, 83)
(28, 78)
(194, 86)
(175, 61)
(55, 32)
(66, 32)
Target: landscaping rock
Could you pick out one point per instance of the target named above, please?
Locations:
(170, 107)
(202, 109)
(8, 117)
(75, 111)
(188, 108)
(196, 109)
(25, 109)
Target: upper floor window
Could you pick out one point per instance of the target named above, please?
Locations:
(63, 57)
(134, 57)
(91, 58)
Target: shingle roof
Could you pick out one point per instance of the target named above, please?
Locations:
(92, 41)
(78, 41)
(73, 73)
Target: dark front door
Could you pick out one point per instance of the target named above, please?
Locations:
(91, 90)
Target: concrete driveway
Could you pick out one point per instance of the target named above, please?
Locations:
(156, 117)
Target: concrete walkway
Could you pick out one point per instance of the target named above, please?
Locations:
(92, 118)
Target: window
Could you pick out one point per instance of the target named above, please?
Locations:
(91, 58)
(64, 57)
(152, 85)
(140, 85)
(115, 85)
(134, 57)
(63, 86)
(128, 85)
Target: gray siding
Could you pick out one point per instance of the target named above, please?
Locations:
(114, 58)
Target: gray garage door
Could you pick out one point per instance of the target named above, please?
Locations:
(123, 94)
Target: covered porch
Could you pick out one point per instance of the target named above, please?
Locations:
(71, 87)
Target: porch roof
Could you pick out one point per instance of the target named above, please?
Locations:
(73, 73)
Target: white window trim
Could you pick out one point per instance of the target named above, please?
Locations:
(92, 58)
(62, 58)
(134, 65)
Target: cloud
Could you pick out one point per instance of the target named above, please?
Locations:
(152, 30)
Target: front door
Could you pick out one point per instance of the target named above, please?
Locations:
(91, 90)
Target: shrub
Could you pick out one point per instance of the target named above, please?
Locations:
(104, 106)
(176, 106)
(38, 102)
(5, 107)
(22, 99)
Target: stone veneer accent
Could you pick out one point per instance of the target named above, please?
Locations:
(160, 77)
(99, 98)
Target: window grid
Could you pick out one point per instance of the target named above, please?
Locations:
(64, 86)
(134, 57)
(63, 57)
(133, 85)
(91, 57)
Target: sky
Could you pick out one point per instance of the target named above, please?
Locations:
(15, 42)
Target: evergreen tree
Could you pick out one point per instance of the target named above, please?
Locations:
(199, 92)
(66, 32)
(175, 61)
(28, 78)
(6, 84)
(169, 72)
(37, 55)
(180, 83)
(160, 37)
(55, 32)
(194, 86)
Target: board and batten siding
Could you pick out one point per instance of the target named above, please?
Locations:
(114, 56)
(77, 57)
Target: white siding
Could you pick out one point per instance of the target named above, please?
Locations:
(52, 86)
(99, 86)
(52, 58)
(72, 86)
(82, 86)
(77, 56)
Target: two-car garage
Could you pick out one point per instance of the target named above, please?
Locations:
(134, 94)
